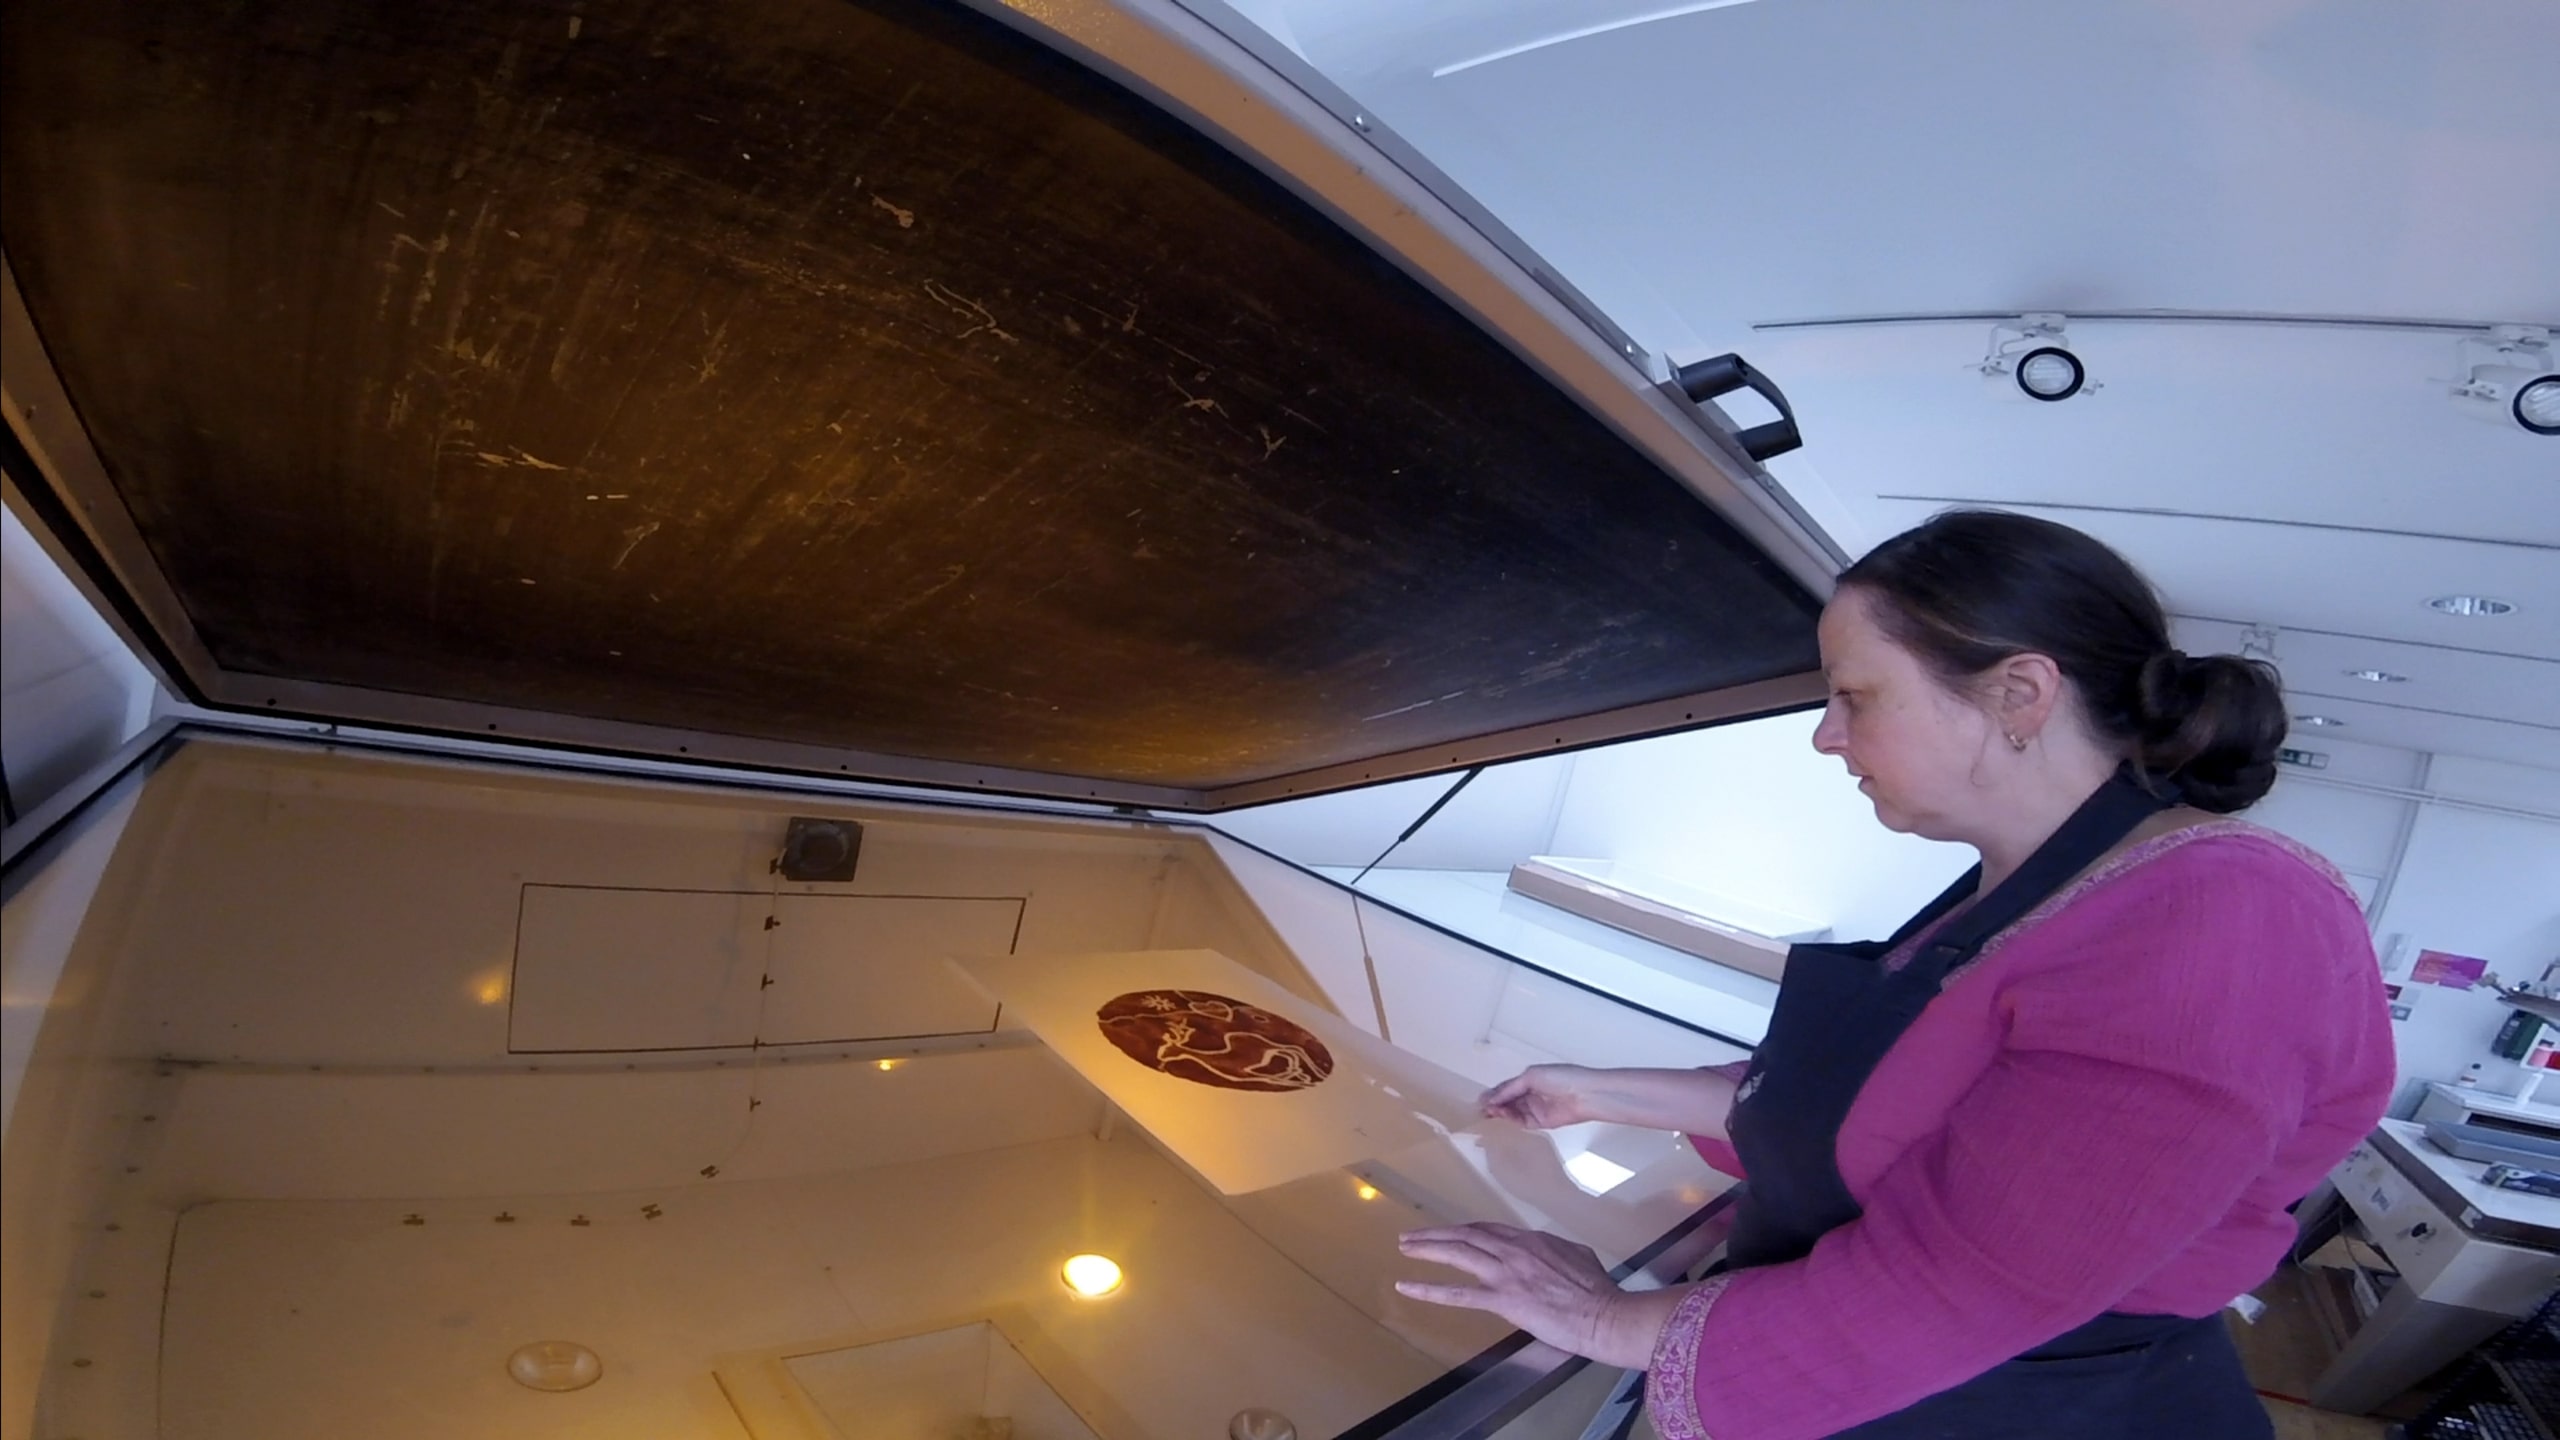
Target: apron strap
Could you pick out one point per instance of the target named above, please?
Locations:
(2107, 816)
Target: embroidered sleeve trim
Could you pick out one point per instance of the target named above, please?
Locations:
(1671, 1381)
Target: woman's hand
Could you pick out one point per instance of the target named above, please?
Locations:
(1543, 1097)
(1550, 1287)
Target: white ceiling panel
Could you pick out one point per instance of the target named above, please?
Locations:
(1808, 157)
(1703, 170)
(2351, 428)
(2499, 706)
(2356, 582)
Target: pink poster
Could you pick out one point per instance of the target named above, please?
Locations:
(2454, 972)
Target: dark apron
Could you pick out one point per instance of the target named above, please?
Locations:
(2137, 1377)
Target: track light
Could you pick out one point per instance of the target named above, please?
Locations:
(2029, 357)
(2506, 378)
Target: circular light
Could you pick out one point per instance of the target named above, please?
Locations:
(2378, 677)
(1259, 1423)
(555, 1365)
(889, 1064)
(2537, 405)
(1091, 1276)
(2469, 605)
(1365, 1190)
(2322, 722)
(2050, 373)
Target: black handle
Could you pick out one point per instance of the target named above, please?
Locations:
(1706, 379)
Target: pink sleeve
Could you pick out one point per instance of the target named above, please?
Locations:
(1715, 1149)
(2142, 1086)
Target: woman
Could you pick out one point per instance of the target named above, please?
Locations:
(2005, 1169)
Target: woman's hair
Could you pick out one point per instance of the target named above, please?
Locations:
(1972, 588)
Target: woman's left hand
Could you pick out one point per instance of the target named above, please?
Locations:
(1552, 1288)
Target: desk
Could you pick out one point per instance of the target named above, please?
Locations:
(2471, 1259)
(2457, 1102)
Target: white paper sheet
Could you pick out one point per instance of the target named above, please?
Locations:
(1373, 1099)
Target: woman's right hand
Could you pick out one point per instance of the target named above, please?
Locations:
(1543, 1097)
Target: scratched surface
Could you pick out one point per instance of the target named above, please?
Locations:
(857, 374)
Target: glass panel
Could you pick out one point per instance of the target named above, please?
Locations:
(289, 1162)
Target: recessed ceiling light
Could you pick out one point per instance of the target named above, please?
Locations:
(2378, 677)
(555, 1365)
(2470, 605)
(2325, 722)
(1261, 1424)
(1091, 1276)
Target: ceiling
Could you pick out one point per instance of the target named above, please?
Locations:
(1705, 171)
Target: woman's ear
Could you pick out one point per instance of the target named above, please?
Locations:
(2024, 691)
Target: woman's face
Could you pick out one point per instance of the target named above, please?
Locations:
(1916, 749)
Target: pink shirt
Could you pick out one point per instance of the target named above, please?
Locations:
(2109, 1109)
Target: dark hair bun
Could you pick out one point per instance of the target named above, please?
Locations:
(2212, 724)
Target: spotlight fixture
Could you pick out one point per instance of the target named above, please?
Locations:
(2028, 356)
(2506, 378)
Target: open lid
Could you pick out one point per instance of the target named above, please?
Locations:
(855, 388)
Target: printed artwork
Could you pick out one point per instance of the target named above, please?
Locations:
(2454, 972)
(1210, 1039)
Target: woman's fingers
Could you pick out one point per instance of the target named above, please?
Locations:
(1464, 1297)
(1506, 1098)
(1546, 1285)
(1457, 1252)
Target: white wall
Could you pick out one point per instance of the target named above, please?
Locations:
(2358, 831)
(70, 692)
(1751, 811)
(2473, 883)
